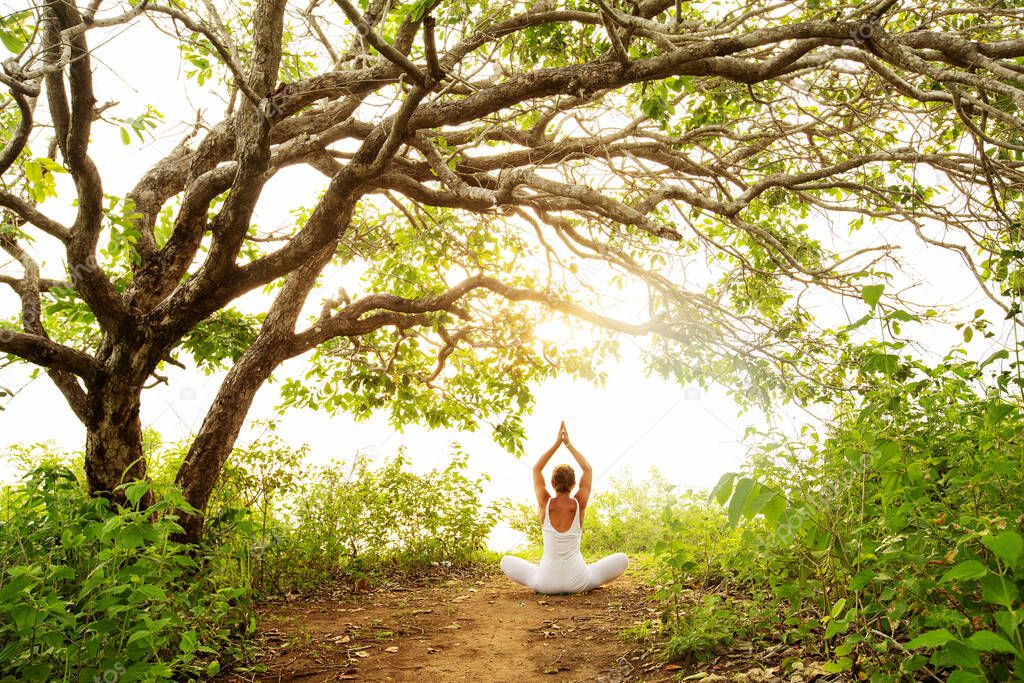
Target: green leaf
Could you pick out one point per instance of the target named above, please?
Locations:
(141, 634)
(997, 410)
(723, 489)
(774, 509)
(12, 42)
(986, 641)
(109, 527)
(1007, 546)
(126, 138)
(913, 663)
(135, 491)
(861, 579)
(881, 362)
(757, 503)
(903, 316)
(131, 537)
(835, 627)
(966, 677)
(998, 590)
(36, 672)
(841, 664)
(147, 592)
(739, 498)
(1001, 354)
(872, 294)
(189, 641)
(418, 9)
(965, 571)
(858, 323)
(1009, 621)
(956, 654)
(934, 638)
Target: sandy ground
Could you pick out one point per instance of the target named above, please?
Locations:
(463, 629)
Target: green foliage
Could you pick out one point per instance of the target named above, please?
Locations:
(696, 550)
(706, 625)
(16, 30)
(142, 125)
(900, 524)
(349, 519)
(39, 177)
(687, 547)
(89, 590)
(220, 340)
(120, 253)
(487, 373)
(631, 516)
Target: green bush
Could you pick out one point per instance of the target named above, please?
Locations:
(89, 591)
(899, 529)
(349, 519)
(628, 516)
(696, 632)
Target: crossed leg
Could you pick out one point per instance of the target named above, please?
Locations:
(603, 571)
(606, 569)
(519, 570)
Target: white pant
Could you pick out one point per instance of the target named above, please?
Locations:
(530, 575)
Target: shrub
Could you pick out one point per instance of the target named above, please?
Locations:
(89, 591)
(900, 527)
(348, 519)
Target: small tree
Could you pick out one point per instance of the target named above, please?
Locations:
(457, 142)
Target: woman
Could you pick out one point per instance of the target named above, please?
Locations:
(562, 568)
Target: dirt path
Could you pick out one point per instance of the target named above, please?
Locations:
(463, 629)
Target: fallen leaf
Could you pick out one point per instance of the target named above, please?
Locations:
(392, 649)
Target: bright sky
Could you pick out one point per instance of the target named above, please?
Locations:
(633, 422)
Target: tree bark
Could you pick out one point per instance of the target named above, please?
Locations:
(113, 445)
(210, 450)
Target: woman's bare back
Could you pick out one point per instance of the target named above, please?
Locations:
(563, 510)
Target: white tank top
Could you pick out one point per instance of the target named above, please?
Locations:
(562, 567)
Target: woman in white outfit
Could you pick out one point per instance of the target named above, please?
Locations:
(562, 568)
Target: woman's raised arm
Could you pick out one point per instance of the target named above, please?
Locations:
(587, 480)
(539, 485)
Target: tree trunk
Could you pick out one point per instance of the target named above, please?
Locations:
(212, 446)
(113, 444)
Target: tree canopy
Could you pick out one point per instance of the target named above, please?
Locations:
(488, 165)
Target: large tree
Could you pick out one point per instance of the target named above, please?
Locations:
(477, 157)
